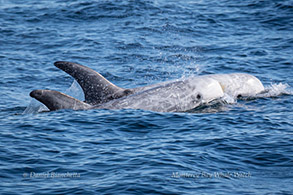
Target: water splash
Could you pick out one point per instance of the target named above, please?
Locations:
(35, 107)
(228, 99)
(75, 91)
(276, 89)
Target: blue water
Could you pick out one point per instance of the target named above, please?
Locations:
(245, 147)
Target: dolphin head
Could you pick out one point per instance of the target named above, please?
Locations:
(208, 89)
(238, 84)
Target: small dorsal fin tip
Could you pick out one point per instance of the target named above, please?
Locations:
(55, 100)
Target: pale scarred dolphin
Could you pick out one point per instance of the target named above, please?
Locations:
(172, 96)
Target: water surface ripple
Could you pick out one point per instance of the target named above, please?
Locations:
(244, 147)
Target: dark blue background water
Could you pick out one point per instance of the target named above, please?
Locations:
(244, 148)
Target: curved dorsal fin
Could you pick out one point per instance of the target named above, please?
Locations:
(56, 100)
(96, 88)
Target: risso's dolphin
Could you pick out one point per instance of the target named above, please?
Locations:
(172, 96)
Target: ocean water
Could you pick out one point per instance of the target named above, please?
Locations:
(242, 146)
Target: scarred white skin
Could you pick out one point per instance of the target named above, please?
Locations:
(176, 96)
(238, 84)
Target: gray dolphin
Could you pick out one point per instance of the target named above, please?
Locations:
(171, 96)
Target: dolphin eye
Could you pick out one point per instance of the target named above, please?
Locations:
(198, 96)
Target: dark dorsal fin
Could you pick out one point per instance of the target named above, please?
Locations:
(56, 100)
(96, 88)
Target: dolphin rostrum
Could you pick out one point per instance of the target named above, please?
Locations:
(171, 96)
